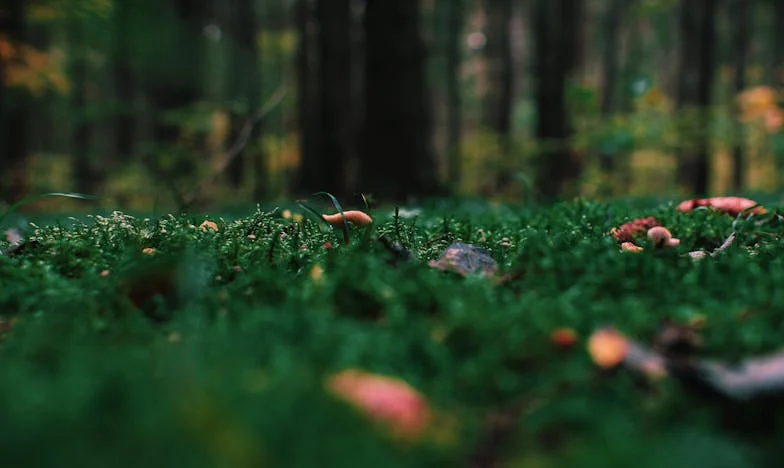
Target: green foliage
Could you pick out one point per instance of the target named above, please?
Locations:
(234, 377)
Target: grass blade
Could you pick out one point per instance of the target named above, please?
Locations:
(35, 198)
(338, 207)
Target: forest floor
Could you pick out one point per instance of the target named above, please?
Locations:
(262, 340)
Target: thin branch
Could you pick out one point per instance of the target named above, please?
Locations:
(236, 148)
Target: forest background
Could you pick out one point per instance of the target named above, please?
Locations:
(210, 103)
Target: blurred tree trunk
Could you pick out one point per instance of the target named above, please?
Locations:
(244, 83)
(454, 31)
(498, 53)
(124, 79)
(613, 15)
(84, 173)
(695, 86)
(335, 90)
(777, 67)
(499, 98)
(397, 160)
(175, 51)
(556, 57)
(739, 17)
(309, 177)
(14, 105)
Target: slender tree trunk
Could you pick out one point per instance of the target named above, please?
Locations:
(612, 18)
(454, 30)
(244, 83)
(697, 29)
(124, 79)
(397, 162)
(498, 53)
(740, 47)
(308, 104)
(14, 105)
(778, 39)
(84, 173)
(335, 93)
(559, 167)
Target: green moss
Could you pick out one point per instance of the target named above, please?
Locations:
(221, 364)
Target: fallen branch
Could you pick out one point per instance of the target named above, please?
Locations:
(236, 148)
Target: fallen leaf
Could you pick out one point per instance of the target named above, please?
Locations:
(13, 236)
(465, 259)
(629, 231)
(631, 247)
(387, 400)
(208, 226)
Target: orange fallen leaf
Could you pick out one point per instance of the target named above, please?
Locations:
(387, 400)
(631, 247)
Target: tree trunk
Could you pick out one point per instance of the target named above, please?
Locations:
(454, 30)
(740, 48)
(124, 79)
(244, 83)
(14, 105)
(559, 167)
(308, 180)
(498, 53)
(397, 161)
(777, 67)
(335, 89)
(697, 31)
(84, 174)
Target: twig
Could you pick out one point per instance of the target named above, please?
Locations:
(237, 147)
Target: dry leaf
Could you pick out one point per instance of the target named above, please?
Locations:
(387, 400)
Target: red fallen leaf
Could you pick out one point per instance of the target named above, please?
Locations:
(730, 205)
(465, 259)
(629, 231)
(387, 400)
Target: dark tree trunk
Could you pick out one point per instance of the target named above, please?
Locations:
(244, 87)
(173, 82)
(14, 105)
(335, 90)
(778, 39)
(555, 39)
(84, 173)
(454, 30)
(613, 17)
(740, 47)
(397, 161)
(498, 53)
(309, 177)
(697, 31)
(124, 79)
(181, 80)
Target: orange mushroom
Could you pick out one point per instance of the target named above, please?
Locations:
(355, 216)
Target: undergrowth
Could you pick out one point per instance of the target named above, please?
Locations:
(161, 342)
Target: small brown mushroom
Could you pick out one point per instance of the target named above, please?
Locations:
(661, 237)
